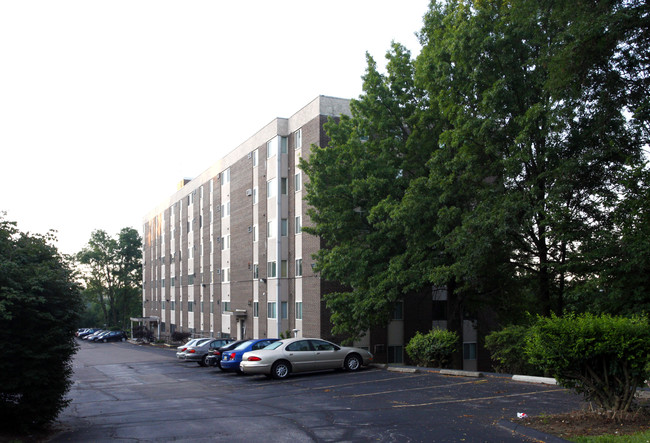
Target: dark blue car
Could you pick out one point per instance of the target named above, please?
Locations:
(230, 359)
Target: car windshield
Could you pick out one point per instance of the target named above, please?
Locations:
(244, 345)
(274, 345)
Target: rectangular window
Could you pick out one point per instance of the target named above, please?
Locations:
(190, 306)
(256, 309)
(173, 281)
(255, 195)
(271, 269)
(225, 275)
(163, 282)
(256, 271)
(298, 310)
(284, 268)
(298, 138)
(225, 177)
(271, 148)
(469, 351)
(255, 238)
(270, 310)
(284, 185)
(225, 306)
(398, 311)
(284, 309)
(283, 144)
(395, 354)
(284, 227)
(297, 181)
(271, 188)
(164, 306)
(173, 303)
(298, 224)
(255, 157)
(299, 267)
(190, 279)
(270, 229)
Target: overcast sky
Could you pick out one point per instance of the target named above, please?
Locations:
(106, 105)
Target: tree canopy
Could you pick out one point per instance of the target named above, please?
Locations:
(113, 273)
(39, 306)
(505, 163)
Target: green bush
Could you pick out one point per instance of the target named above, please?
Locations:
(39, 308)
(605, 358)
(507, 350)
(180, 337)
(432, 349)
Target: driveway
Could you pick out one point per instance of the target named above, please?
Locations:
(131, 393)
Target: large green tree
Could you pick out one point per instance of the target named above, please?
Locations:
(492, 165)
(39, 306)
(113, 273)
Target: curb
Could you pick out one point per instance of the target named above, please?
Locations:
(533, 379)
(460, 373)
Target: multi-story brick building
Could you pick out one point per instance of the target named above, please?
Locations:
(225, 256)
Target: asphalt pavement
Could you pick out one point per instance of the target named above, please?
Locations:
(132, 393)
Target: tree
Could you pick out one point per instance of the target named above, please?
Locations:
(38, 294)
(113, 273)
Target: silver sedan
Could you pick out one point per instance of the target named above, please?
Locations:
(283, 357)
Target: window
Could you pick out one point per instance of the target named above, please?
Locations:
(164, 306)
(284, 268)
(299, 267)
(297, 181)
(398, 311)
(298, 135)
(284, 309)
(225, 177)
(298, 224)
(225, 275)
(271, 188)
(270, 229)
(255, 195)
(284, 227)
(225, 306)
(283, 144)
(225, 242)
(173, 281)
(225, 210)
(256, 309)
(256, 271)
(190, 279)
(173, 303)
(271, 147)
(190, 306)
(284, 186)
(469, 351)
(255, 157)
(270, 310)
(298, 310)
(271, 269)
(395, 354)
(255, 233)
(163, 282)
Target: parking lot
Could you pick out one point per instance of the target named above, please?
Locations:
(126, 392)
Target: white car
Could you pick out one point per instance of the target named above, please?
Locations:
(283, 357)
(180, 351)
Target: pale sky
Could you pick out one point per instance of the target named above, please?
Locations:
(106, 105)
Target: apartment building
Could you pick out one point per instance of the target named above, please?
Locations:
(225, 256)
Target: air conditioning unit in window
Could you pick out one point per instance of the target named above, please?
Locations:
(250, 229)
(249, 192)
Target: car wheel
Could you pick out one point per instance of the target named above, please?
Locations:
(204, 361)
(123, 339)
(105, 341)
(280, 369)
(352, 362)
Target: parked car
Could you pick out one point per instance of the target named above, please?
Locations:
(98, 337)
(283, 357)
(199, 352)
(113, 336)
(230, 359)
(87, 332)
(180, 351)
(91, 337)
(214, 359)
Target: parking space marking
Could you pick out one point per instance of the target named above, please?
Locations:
(368, 381)
(465, 400)
(413, 389)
